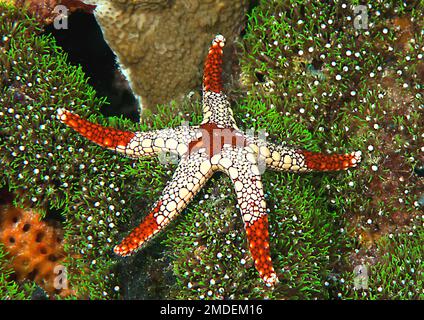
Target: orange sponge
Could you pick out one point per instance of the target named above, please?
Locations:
(35, 249)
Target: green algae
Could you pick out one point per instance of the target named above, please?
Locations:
(323, 85)
(50, 166)
(321, 99)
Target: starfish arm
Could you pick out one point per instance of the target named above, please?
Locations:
(132, 144)
(285, 158)
(216, 107)
(241, 165)
(212, 73)
(191, 174)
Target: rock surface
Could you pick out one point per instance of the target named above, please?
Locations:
(46, 11)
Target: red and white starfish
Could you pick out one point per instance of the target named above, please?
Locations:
(214, 145)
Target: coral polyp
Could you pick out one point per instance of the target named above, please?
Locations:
(331, 77)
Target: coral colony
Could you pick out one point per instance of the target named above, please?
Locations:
(36, 246)
(160, 45)
(216, 145)
(328, 76)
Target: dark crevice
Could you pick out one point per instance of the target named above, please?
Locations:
(54, 217)
(39, 237)
(84, 43)
(260, 77)
(26, 227)
(31, 276)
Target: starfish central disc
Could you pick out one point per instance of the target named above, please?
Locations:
(214, 138)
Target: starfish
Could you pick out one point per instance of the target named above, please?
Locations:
(217, 144)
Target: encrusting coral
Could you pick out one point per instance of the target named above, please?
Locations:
(34, 249)
(318, 82)
(35, 77)
(46, 11)
(216, 145)
(354, 71)
(160, 45)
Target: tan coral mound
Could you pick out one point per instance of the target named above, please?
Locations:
(35, 248)
(161, 44)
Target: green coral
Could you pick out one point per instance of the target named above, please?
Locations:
(354, 89)
(399, 273)
(312, 79)
(9, 290)
(58, 172)
(96, 192)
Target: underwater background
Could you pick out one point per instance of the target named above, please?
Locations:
(332, 76)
